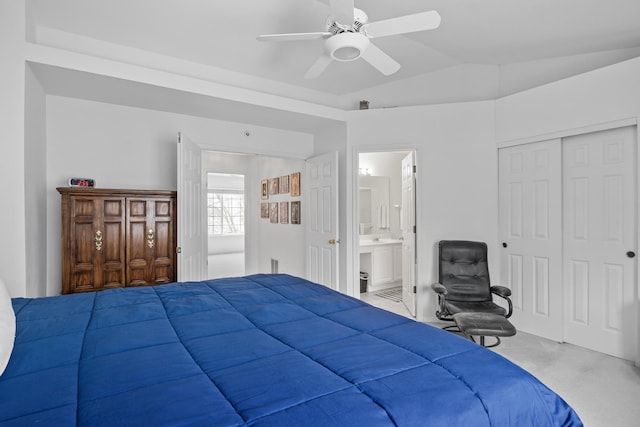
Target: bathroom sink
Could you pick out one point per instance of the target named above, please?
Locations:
(379, 241)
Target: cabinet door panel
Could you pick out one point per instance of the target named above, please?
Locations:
(164, 251)
(111, 260)
(150, 241)
(96, 244)
(382, 264)
(113, 253)
(138, 251)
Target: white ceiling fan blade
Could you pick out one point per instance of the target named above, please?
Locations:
(342, 11)
(292, 37)
(403, 24)
(318, 67)
(380, 60)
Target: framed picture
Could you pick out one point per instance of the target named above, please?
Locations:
(273, 186)
(273, 212)
(295, 212)
(284, 212)
(264, 210)
(264, 185)
(284, 184)
(295, 184)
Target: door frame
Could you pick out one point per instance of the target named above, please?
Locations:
(252, 207)
(353, 202)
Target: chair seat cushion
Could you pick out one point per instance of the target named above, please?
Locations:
(477, 307)
(484, 324)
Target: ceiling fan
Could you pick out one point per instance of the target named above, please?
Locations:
(348, 35)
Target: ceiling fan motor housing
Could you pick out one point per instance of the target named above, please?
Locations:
(346, 46)
(359, 19)
(347, 43)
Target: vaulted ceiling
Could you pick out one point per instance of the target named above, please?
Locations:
(483, 49)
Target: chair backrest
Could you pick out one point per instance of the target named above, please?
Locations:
(464, 271)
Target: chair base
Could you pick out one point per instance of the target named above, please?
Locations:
(456, 330)
(482, 342)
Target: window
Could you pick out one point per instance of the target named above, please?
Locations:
(225, 212)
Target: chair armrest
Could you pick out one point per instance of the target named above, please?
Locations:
(501, 291)
(439, 288)
(504, 292)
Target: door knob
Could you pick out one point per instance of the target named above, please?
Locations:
(333, 241)
(504, 244)
(631, 254)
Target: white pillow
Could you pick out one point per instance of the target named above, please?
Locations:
(7, 327)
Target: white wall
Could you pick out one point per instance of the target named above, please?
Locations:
(35, 149)
(604, 95)
(456, 179)
(282, 242)
(12, 149)
(126, 147)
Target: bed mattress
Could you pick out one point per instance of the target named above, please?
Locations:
(261, 350)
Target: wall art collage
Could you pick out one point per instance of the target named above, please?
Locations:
(280, 211)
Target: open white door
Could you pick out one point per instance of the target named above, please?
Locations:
(322, 219)
(408, 229)
(192, 244)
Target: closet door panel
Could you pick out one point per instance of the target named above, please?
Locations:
(530, 183)
(600, 228)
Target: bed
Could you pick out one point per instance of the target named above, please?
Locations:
(260, 350)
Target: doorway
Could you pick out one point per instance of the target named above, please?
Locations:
(386, 230)
(225, 202)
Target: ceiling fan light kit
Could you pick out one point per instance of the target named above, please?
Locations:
(348, 35)
(345, 47)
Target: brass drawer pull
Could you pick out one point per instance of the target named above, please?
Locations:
(98, 240)
(150, 238)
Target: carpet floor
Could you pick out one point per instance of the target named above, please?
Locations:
(602, 389)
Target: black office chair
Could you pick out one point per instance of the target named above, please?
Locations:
(464, 284)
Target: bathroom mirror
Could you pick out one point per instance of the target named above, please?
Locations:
(374, 204)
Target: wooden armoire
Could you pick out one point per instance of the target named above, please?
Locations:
(117, 238)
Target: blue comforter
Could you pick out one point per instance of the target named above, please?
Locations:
(263, 350)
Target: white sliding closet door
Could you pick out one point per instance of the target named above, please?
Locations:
(530, 182)
(600, 241)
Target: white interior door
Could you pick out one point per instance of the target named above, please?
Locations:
(408, 229)
(322, 219)
(530, 182)
(600, 228)
(192, 243)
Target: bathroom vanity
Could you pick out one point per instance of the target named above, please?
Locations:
(382, 259)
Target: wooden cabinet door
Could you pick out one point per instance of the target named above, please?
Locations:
(150, 241)
(95, 244)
